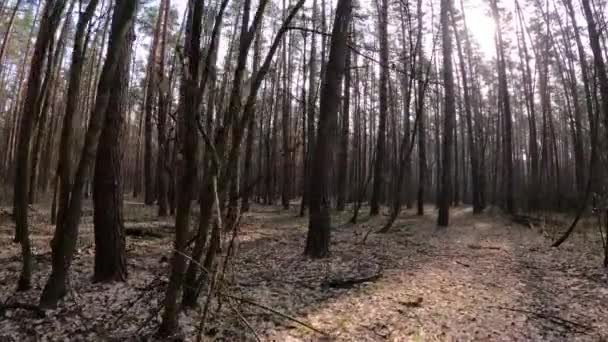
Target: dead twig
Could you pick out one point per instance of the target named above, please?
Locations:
(570, 325)
(462, 263)
(245, 321)
(293, 319)
(471, 246)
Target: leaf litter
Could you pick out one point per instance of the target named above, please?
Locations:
(483, 278)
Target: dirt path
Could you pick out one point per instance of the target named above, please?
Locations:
(481, 279)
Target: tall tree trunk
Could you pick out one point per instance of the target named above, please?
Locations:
(598, 60)
(582, 57)
(66, 233)
(383, 97)
(17, 102)
(534, 183)
(189, 145)
(249, 145)
(110, 254)
(319, 225)
(420, 113)
(163, 108)
(46, 98)
(506, 107)
(286, 122)
(449, 118)
(48, 25)
(343, 154)
(310, 117)
(475, 175)
(64, 166)
(151, 92)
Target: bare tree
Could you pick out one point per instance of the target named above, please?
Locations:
(319, 225)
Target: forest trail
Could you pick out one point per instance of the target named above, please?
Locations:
(483, 278)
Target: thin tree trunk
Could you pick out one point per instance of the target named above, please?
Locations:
(163, 108)
(151, 92)
(50, 20)
(508, 121)
(383, 97)
(310, 118)
(475, 175)
(344, 135)
(445, 195)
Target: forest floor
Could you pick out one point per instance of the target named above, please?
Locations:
(483, 278)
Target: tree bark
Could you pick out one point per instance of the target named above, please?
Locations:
(188, 150)
(344, 135)
(286, 123)
(475, 174)
(311, 106)
(66, 233)
(449, 118)
(383, 97)
(48, 25)
(506, 107)
(110, 254)
(163, 108)
(151, 92)
(319, 225)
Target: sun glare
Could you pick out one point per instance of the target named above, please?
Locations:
(482, 27)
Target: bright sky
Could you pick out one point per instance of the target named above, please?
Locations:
(180, 4)
(480, 23)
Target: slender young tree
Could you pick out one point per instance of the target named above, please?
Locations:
(64, 166)
(472, 145)
(344, 135)
(188, 149)
(449, 118)
(507, 116)
(163, 108)
(50, 21)
(383, 97)
(152, 87)
(311, 109)
(286, 122)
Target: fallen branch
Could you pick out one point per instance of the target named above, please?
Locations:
(471, 246)
(462, 263)
(351, 282)
(143, 232)
(571, 325)
(23, 306)
(245, 321)
(293, 319)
